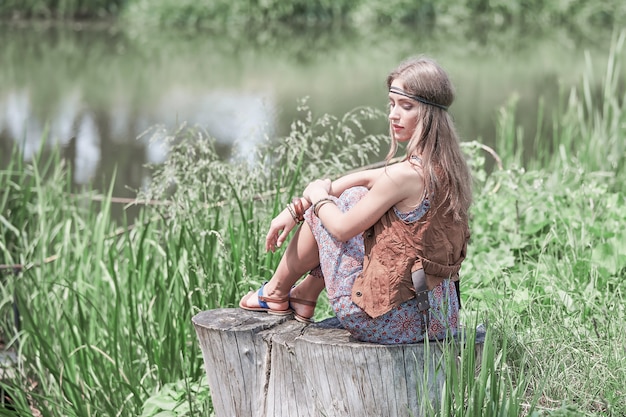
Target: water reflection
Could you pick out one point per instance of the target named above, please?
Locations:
(239, 121)
(234, 118)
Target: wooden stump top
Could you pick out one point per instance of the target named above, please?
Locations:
(265, 365)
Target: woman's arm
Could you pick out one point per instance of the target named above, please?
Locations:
(362, 178)
(283, 223)
(389, 186)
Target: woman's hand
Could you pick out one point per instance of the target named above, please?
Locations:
(280, 227)
(317, 190)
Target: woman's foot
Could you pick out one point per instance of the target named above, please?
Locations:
(257, 301)
(303, 309)
(303, 297)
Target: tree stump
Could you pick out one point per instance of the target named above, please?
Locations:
(263, 365)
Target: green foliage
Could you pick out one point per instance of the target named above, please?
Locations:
(60, 8)
(242, 14)
(547, 252)
(483, 13)
(477, 379)
(531, 13)
(172, 400)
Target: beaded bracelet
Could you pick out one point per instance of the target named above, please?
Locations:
(292, 211)
(319, 203)
(298, 208)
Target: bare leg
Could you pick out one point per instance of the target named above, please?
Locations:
(300, 257)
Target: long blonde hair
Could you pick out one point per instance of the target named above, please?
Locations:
(446, 174)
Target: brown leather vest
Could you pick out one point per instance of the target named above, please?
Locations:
(393, 249)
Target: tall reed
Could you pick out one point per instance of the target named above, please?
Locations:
(476, 378)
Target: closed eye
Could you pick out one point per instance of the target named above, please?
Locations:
(405, 104)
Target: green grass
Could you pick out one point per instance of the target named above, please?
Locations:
(105, 308)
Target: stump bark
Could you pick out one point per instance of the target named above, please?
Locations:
(263, 365)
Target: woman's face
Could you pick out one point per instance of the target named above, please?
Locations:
(403, 114)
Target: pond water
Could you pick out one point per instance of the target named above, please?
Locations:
(95, 88)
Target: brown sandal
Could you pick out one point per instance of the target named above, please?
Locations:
(298, 317)
(263, 300)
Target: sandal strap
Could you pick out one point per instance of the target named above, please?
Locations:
(302, 301)
(264, 299)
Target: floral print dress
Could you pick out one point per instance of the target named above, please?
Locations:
(342, 262)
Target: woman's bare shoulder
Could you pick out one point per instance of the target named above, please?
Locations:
(406, 171)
